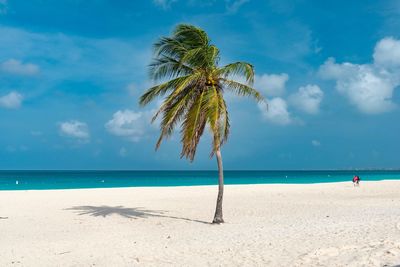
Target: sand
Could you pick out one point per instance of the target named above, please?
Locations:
(266, 225)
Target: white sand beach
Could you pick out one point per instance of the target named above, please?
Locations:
(266, 225)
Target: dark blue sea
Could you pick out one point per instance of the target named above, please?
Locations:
(39, 180)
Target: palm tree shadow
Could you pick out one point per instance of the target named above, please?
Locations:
(130, 213)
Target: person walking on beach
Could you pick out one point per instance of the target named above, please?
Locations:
(356, 180)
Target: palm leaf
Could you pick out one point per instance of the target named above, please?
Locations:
(224, 120)
(167, 67)
(195, 86)
(193, 127)
(212, 111)
(241, 89)
(241, 69)
(191, 36)
(169, 47)
(173, 111)
(176, 85)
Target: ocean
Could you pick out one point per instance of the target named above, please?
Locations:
(40, 180)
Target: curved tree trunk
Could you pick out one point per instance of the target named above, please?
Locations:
(218, 218)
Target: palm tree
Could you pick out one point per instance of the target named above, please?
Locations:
(186, 67)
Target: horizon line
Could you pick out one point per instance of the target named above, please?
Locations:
(198, 170)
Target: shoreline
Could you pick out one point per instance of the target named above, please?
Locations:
(189, 186)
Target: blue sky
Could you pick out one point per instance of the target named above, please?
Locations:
(71, 73)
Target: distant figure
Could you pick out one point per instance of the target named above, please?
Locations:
(356, 180)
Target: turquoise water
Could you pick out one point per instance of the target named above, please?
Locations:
(26, 180)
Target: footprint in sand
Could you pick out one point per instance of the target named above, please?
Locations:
(398, 226)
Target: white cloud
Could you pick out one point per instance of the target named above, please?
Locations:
(12, 100)
(271, 84)
(276, 111)
(366, 86)
(387, 52)
(127, 123)
(16, 67)
(369, 87)
(316, 143)
(307, 99)
(75, 129)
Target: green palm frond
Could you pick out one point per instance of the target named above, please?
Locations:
(213, 55)
(194, 88)
(193, 127)
(241, 69)
(191, 36)
(173, 111)
(212, 112)
(169, 47)
(224, 121)
(241, 89)
(194, 57)
(176, 85)
(167, 67)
